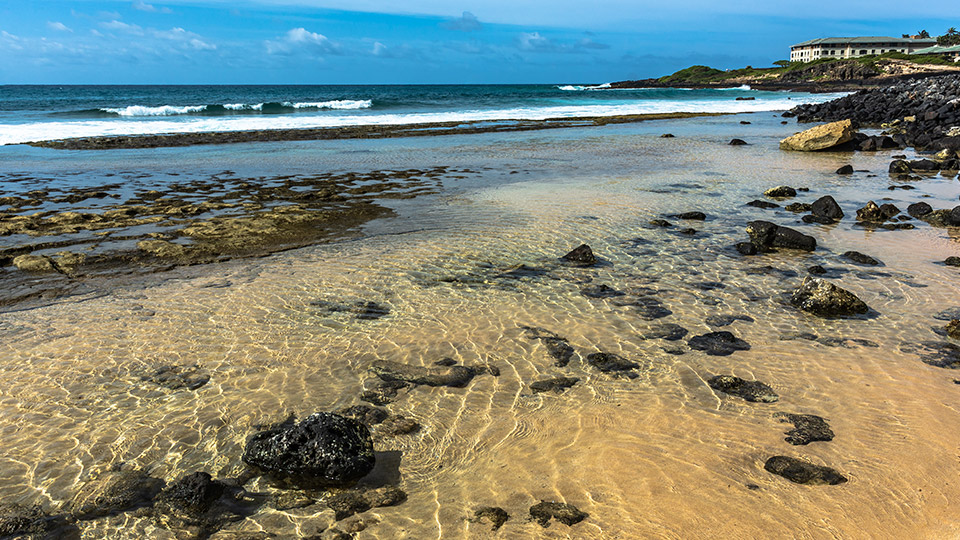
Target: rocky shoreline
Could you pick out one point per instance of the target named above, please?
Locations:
(924, 113)
(350, 132)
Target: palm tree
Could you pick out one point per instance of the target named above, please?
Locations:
(924, 34)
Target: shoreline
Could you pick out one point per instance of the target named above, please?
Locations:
(351, 132)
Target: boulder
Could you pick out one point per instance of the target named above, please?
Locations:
(581, 255)
(820, 137)
(765, 236)
(825, 299)
(899, 167)
(780, 192)
(920, 209)
(952, 261)
(737, 142)
(696, 216)
(348, 503)
(846, 169)
(766, 205)
(826, 207)
(802, 472)
(323, 449)
(871, 212)
(754, 391)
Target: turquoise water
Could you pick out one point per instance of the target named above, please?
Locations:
(34, 113)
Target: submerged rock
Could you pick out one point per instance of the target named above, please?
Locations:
(114, 492)
(694, 216)
(383, 392)
(861, 258)
(31, 522)
(353, 502)
(323, 449)
(766, 205)
(846, 169)
(177, 377)
(718, 343)
(582, 254)
(820, 137)
(496, 515)
(557, 385)
(200, 505)
(726, 320)
(952, 261)
(737, 142)
(765, 236)
(807, 428)
(600, 291)
(567, 514)
(667, 331)
(455, 376)
(936, 353)
(754, 391)
(611, 363)
(648, 308)
(825, 299)
(363, 310)
(803, 472)
(557, 347)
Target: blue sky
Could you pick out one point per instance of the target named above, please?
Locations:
(420, 41)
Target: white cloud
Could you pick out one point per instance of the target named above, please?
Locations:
(302, 40)
(121, 26)
(150, 8)
(183, 37)
(468, 22)
(533, 41)
(58, 26)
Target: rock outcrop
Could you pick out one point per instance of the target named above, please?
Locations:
(820, 137)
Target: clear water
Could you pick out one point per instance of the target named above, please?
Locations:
(660, 456)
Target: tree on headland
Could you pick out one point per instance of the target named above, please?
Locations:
(782, 63)
(951, 38)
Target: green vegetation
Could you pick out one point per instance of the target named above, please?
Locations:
(951, 38)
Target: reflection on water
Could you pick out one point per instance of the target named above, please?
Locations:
(659, 455)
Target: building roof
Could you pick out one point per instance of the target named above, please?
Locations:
(938, 50)
(866, 40)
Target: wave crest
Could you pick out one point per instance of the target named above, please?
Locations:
(134, 111)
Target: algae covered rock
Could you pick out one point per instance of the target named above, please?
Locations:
(802, 472)
(824, 299)
(754, 391)
(323, 449)
(567, 514)
(820, 137)
(37, 264)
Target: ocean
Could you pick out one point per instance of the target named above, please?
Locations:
(39, 113)
(161, 306)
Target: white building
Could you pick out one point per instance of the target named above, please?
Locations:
(854, 47)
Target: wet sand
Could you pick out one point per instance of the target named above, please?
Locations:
(661, 455)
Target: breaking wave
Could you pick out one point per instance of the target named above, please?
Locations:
(275, 107)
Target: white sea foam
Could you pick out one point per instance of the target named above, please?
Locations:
(165, 110)
(43, 131)
(341, 104)
(578, 88)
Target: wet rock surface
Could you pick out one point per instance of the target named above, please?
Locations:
(718, 343)
(861, 258)
(766, 236)
(726, 320)
(567, 514)
(581, 255)
(803, 472)
(826, 207)
(935, 353)
(825, 299)
(204, 219)
(754, 391)
(322, 449)
(19, 521)
(807, 428)
(781, 192)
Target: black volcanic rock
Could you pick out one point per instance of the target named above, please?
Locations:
(802, 472)
(323, 449)
(754, 391)
(582, 254)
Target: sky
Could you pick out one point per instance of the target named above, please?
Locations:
(421, 41)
